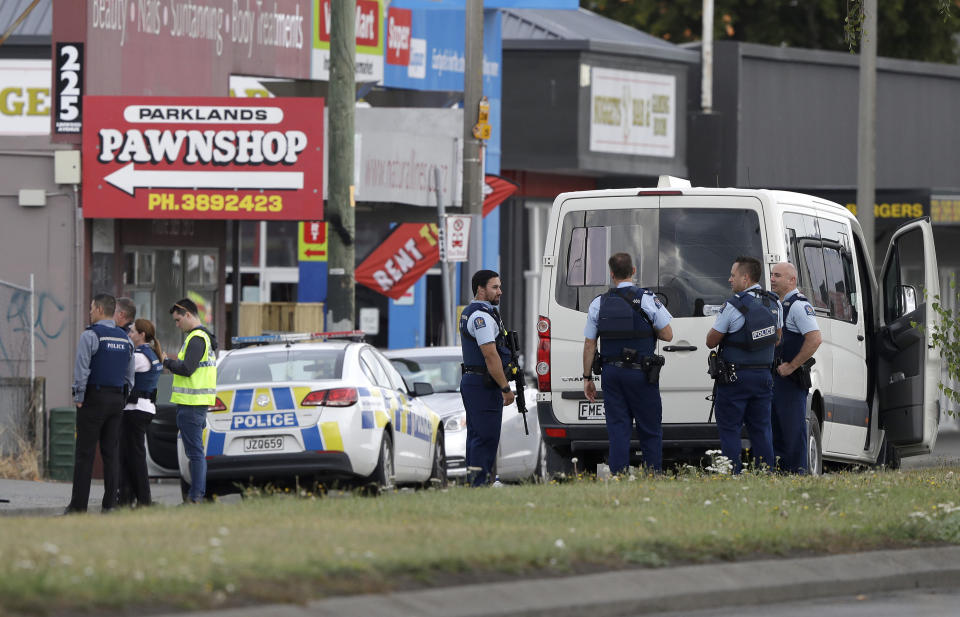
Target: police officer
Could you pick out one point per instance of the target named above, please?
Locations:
(484, 387)
(102, 376)
(628, 321)
(125, 313)
(194, 389)
(747, 330)
(801, 338)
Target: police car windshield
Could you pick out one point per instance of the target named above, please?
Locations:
(443, 373)
(278, 366)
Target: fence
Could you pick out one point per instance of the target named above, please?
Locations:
(280, 317)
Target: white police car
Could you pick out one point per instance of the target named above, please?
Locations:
(334, 412)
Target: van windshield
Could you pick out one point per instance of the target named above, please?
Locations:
(684, 254)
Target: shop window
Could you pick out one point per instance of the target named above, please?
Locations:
(282, 243)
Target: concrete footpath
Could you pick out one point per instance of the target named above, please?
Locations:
(48, 498)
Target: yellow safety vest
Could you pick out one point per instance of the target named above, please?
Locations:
(201, 387)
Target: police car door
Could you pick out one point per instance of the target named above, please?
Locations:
(700, 237)
(908, 366)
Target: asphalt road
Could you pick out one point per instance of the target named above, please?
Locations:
(915, 603)
(945, 452)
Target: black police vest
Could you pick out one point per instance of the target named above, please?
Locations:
(108, 365)
(622, 323)
(472, 356)
(754, 343)
(792, 341)
(146, 382)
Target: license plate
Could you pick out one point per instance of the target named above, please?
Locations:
(591, 411)
(262, 444)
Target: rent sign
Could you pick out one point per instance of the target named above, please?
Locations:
(202, 158)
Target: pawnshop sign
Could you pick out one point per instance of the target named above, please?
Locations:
(203, 158)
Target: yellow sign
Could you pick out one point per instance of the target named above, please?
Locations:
(945, 210)
(893, 211)
(312, 241)
(481, 131)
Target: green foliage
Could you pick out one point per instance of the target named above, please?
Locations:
(946, 338)
(909, 29)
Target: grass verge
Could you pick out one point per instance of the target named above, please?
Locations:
(284, 548)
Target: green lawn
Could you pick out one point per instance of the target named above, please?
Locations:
(285, 548)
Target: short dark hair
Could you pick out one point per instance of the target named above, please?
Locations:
(481, 278)
(183, 306)
(128, 308)
(750, 266)
(107, 303)
(621, 266)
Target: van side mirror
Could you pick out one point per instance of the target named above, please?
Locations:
(422, 388)
(908, 299)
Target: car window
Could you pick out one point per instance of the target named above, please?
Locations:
(278, 366)
(395, 378)
(379, 375)
(443, 373)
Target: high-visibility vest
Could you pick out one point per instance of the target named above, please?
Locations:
(201, 387)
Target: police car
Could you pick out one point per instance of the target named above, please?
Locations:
(336, 411)
(519, 457)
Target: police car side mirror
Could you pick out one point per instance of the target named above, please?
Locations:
(422, 388)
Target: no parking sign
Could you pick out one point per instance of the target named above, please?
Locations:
(456, 237)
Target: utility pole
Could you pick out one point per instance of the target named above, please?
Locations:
(341, 287)
(472, 177)
(867, 128)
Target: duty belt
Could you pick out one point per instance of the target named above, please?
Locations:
(473, 370)
(765, 367)
(622, 364)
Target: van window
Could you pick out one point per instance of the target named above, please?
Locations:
(838, 264)
(903, 284)
(684, 254)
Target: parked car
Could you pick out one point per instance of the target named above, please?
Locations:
(334, 412)
(520, 456)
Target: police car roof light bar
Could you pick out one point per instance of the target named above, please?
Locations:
(296, 337)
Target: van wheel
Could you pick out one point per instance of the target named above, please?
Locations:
(814, 447)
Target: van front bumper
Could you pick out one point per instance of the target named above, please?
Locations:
(593, 437)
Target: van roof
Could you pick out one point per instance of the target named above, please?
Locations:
(775, 196)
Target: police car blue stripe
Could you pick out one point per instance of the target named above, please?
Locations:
(242, 400)
(363, 391)
(311, 438)
(215, 443)
(367, 420)
(282, 398)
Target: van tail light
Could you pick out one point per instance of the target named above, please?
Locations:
(217, 406)
(558, 433)
(543, 354)
(334, 397)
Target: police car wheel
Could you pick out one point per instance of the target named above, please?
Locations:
(541, 474)
(814, 447)
(382, 477)
(438, 471)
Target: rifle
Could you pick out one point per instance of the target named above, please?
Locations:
(515, 375)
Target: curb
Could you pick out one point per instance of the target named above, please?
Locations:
(637, 592)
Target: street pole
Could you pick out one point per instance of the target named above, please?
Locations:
(341, 288)
(448, 306)
(472, 179)
(706, 77)
(866, 128)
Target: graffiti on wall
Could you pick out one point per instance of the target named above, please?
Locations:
(49, 324)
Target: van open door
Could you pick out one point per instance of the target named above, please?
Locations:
(908, 368)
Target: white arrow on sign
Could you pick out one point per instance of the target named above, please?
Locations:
(129, 179)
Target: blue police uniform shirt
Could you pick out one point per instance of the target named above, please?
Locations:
(731, 320)
(649, 303)
(482, 325)
(801, 318)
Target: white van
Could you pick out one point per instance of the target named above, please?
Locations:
(874, 396)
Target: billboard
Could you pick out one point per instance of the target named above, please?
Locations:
(202, 158)
(633, 113)
(24, 97)
(368, 26)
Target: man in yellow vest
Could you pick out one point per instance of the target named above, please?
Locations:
(194, 389)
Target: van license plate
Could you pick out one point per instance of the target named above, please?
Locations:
(591, 411)
(262, 444)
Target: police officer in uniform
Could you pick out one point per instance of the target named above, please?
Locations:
(747, 330)
(484, 387)
(801, 338)
(628, 321)
(125, 313)
(102, 376)
(194, 389)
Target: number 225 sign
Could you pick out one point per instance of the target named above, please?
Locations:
(69, 83)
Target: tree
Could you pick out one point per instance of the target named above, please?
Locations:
(909, 29)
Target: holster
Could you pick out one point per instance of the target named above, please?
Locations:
(597, 365)
(652, 365)
(720, 371)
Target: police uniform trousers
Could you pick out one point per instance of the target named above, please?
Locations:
(629, 398)
(789, 421)
(746, 402)
(134, 477)
(98, 419)
(484, 407)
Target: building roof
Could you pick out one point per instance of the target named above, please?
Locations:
(38, 22)
(584, 30)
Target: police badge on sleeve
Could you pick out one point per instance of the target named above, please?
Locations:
(479, 322)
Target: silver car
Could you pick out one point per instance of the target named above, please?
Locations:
(520, 457)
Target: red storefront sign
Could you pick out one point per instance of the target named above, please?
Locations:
(202, 158)
(412, 248)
